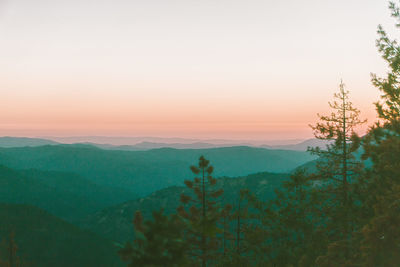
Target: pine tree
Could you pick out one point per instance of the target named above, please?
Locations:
(337, 167)
(389, 107)
(380, 237)
(382, 142)
(159, 242)
(202, 212)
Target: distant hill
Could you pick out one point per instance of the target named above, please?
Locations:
(132, 141)
(118, 140)
(46, 241)
(153, 145)
(116, 222)
(147, 143)
(63, 194)
(302, 146)
(143, 172)
(7, 141)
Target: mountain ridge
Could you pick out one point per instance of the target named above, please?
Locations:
(143, 172)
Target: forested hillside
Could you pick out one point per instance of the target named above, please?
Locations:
(143, 172)
(116, 222)
(43, 240)
(63, 194)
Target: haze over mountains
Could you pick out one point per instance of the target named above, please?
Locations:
(8, 141)
(119, 141)
(146, 143)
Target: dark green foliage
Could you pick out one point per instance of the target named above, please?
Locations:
(380, 243)
(158, 242)
(388, 108)
(235, 228)
(284, 231)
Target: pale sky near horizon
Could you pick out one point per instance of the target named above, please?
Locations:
(247, 69)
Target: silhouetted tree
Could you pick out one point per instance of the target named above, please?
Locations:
(337, 165)
(202, 214)
(380, 237)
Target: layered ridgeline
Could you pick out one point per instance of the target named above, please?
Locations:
(8, 141)
(143, 172)
(115, 222)
(44, 240)
(147, 143)
(63, 194)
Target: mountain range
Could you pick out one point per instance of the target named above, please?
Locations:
(143, 172)
(143, 143)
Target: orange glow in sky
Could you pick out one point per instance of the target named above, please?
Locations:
(210, 69)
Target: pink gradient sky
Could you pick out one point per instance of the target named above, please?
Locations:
(203, 69)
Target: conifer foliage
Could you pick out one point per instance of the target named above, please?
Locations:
(380, 241)
(158, 242)
(202, 213)
(337, 167)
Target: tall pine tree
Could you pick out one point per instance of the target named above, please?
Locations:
(202, 213)
(337, 167)
(380, 237)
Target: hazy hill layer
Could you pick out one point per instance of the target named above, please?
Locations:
(46, 241)
(143, 172)
(302, 146)
(7, 141)
(116, 222)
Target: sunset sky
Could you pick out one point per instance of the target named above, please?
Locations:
(248, 69)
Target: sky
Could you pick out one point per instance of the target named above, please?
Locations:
(237, 69)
